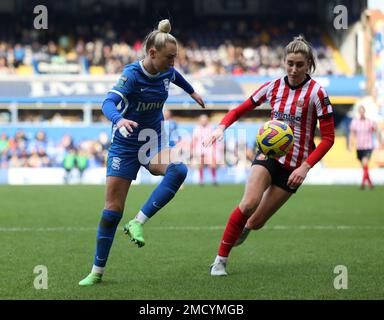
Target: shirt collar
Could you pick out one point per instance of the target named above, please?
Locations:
(146, 72)
(307, 78)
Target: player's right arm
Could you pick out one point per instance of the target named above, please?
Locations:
(114, 97)
(235, 114)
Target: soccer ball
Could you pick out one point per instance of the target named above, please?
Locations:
(275, 138)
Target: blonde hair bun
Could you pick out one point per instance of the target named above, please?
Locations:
(164, 26)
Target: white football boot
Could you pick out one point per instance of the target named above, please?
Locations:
(218, 268)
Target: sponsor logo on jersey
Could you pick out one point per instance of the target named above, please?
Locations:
(283, 116)
(148, 106)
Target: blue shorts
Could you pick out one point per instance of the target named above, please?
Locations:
(125, 163)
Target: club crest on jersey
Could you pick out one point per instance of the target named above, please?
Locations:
(300, 103)
(116, 163)
(166, 84)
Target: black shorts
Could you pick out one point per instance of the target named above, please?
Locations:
(364, 154)
(278, 172)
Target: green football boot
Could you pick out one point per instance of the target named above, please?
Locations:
(134, 230)
(91, 279)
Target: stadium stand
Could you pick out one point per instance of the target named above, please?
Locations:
(62, 68)
(230, 46)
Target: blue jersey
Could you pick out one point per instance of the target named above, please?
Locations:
(143, 97)
(138, 96)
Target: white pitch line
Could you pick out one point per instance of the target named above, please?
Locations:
(196, 228)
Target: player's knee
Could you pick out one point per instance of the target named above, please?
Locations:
(248, 207)
(114, 206)
(180, 170)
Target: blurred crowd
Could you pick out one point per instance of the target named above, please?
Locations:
(39, 151)
(27, 150)
(227, 46)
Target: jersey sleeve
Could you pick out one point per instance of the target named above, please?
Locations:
(180, 81)
(322, 103)
(327, 131)
(260, 95)
(124, 85)
(257, 98)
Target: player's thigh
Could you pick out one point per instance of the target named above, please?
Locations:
(259, 180)
(160, 162)
(273, 198)
(116, 192)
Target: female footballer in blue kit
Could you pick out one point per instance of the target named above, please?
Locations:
(134, 105)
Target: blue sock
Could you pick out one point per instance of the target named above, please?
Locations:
(105, 234)
(166, 190)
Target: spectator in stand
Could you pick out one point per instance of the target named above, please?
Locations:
(81, 162)
(69, 164)
(4, 143)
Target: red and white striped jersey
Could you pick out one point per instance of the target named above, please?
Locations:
(299, 107)
(363, 130)
(198, 136)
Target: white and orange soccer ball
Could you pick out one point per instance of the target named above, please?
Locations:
(275, 138)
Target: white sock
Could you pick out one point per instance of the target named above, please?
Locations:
(141, 217)
(96, 269)
(221, 259)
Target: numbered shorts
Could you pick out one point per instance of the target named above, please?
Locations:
(278, 172)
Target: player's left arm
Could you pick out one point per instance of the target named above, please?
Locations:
(327, 130)
(180, 81)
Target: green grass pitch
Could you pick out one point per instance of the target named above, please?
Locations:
(292, 257)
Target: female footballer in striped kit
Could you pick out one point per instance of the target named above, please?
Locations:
(299, 101)
(361, 136)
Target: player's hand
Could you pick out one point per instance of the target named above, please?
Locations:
(216, 135)
(198, 99)
(125, 127)
(298, 175)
